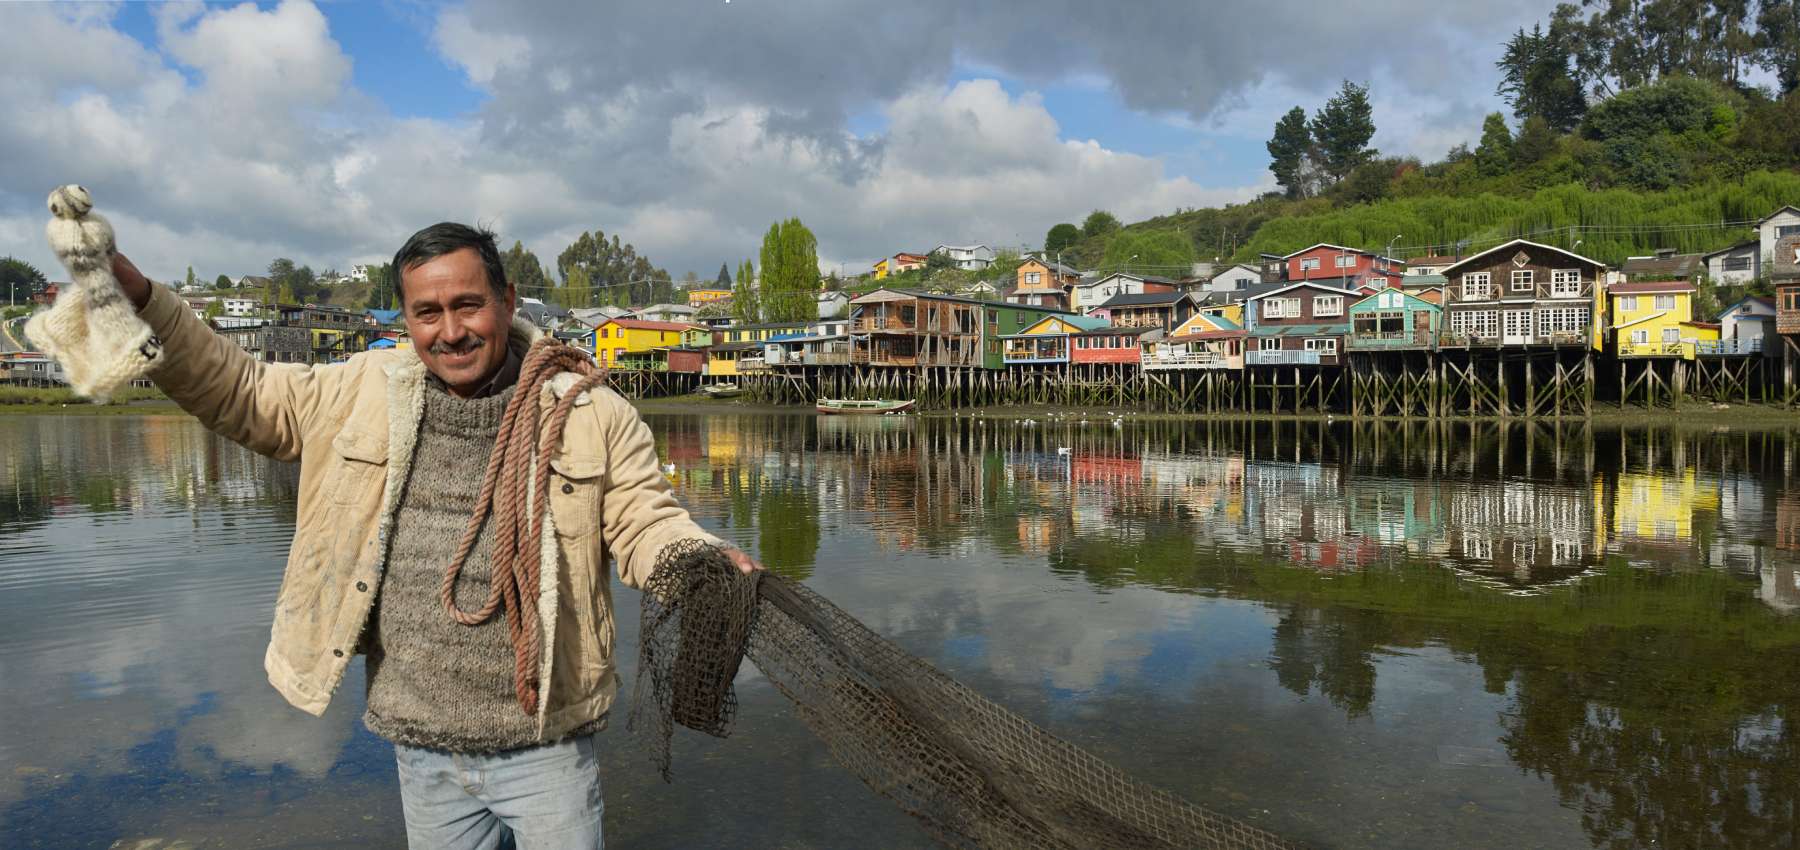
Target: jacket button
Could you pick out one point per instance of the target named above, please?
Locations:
(338, 652)
(568, 488)
(362, 587)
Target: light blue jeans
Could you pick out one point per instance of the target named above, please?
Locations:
(537, 798)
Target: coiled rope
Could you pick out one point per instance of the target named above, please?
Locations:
(518, 472)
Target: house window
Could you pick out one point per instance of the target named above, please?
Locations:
(1033, 277)
(1475, 324)
(1671, 335)
(1628, 302)
(1309, 264)
(1328, 305)
(1345, 261)
(1326, 345)
(1665, 302)
(1787, 230)
(1563, 320)
(1268, 343)
(1378, 282)
(1476, 286)
(1565, 283)
(1737, 264)
(1521, 280)
(1640, 337)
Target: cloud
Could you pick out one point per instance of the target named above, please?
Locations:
(683, 127)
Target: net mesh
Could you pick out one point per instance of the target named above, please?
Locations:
(973, 774)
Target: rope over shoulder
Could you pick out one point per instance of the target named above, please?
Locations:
(515, 491)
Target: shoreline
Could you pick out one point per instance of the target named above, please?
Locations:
(1760, 416)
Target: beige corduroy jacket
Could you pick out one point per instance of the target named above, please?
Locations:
(353, 426)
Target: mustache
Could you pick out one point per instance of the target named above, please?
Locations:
(467, 345)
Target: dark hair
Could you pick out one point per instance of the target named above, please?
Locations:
(448, 237)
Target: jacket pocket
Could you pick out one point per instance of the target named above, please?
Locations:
(575, 484)
(358, 466)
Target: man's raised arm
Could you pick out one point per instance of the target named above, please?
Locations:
(264, 407)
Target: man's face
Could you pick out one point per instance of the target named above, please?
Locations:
(457, 325)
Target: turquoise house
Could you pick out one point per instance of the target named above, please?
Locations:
(1394, 320)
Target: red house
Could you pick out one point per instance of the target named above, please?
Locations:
(687, 360)
(1108, 345)
(1355, 268)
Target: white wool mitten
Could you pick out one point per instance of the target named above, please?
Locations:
(92, 329)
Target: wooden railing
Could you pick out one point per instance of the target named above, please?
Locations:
(1187, 360)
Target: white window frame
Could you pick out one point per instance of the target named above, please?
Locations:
(1344, 261)
(1034, 277)
(1324, 345)
(1309, 264)
(1268, 343)
(1665, 302)
(1378, 282)
(1671, 335)
(1735, 264)
(1477, 286)
(1565, 283)
(1336, 307)
(1280, 308)
(1627, 303)
(1640, 337)
(1523, 280)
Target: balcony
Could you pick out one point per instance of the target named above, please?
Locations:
(1728, 347)
(1281, 358)
(1186, 360)
(1389, 341)
(754, 363)
(1655, 349)
(883, 324)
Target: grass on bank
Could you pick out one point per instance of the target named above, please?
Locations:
(13, 399)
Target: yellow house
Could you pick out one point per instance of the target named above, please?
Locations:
(702, 297)
(881, 269)
(1233, 312)
(615, 341)
(722, 360)
(1656, 319)
(758, 333)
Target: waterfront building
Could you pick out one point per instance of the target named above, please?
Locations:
(1352, 266)
(1108, 344)
(1748, 327)
(631, 343)
(1656, 319)
(1205, 341)
(1042, 283)
(1163, 310)
(1393, 320)
(901, 327)
(1301, 324)
(1521, 294)
(1086, 294)
(1047, 340)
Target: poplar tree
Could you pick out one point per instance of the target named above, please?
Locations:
(743, 297)
(790, 273)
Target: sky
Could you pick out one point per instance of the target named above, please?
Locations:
(223, 136)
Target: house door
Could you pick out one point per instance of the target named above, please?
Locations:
(1517, 328)
(1421, 327)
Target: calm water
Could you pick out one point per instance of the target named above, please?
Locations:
(1471, 636)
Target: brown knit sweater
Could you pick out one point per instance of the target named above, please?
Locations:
(434, 682)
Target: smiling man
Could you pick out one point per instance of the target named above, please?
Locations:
(392, 448)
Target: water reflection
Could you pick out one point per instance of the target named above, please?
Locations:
(1380, 636)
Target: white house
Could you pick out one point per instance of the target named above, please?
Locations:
(1735, 265)
(359, 273)
(1088, 293)
(972, 257)
(668, 313)
(1752, 318)
(833, 304)
(239, 307)
(1235, 279)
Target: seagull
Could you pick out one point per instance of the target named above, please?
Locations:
(668, 469)
(1062, 450)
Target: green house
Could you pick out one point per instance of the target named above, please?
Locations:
(1393, 320)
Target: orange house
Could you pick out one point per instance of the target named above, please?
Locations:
(1043, 284)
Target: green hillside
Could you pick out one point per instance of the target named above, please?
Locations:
(1679, 163)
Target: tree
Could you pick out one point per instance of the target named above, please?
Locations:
(1159, 252)
(214, 309)
(1494, 155)
(724, 279)
(1061, 236)
(19, 279)
(790, 273)
(744, 306)
(222, 282)
(1342, 129)
(1291, 145)
(938, 261)
(383, 295)
(1777, 41)
(614, 273)
(190, 284)
(1536, 80)
(1099, 223)
(523, 271)
(1536, 141)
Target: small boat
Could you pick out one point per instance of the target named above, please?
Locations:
(724, 390)
(863, 408)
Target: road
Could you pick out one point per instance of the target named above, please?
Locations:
(9, 337)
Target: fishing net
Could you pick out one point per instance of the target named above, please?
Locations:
(974, 774)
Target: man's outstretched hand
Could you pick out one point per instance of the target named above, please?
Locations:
(136, 286)
(744, 562)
